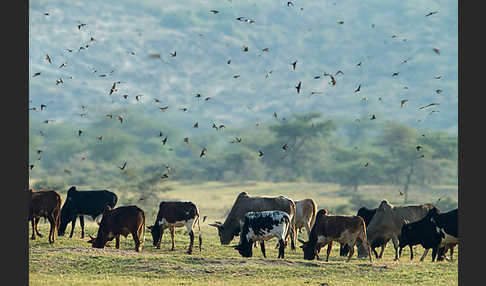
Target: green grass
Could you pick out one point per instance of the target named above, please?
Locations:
(75, 262)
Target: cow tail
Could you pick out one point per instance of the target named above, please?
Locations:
(314, 212)
(200, 237)
(292, 226)
(143, 227)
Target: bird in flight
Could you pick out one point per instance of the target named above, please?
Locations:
(164, 109)
(214, 11)
(124, 165)
(58, 81)
(245, 48)
(403, 102)
(419, 148)
(48, 58)
(196, 125)
(186, 140)
(298, 86)
(80, 132)
(113, 88)
(432, 104)
(340, 22)
(81, 25)
(437, 51)
(373, 117)
(120, 118)
(63, 65)
(395, 73)
(437, 77)
(36, 74)
(173, 54)
(260, 153)
(358, 89)
(164, 176)
(164, 140)
(431, 13)
(439, 91)
(285, 146)
(100, 138)
(294, 64)
(203, 152)
(43, 106)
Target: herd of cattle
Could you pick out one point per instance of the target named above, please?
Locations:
(256, 219)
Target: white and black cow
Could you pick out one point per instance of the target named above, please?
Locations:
(261, 226)
(176, 214)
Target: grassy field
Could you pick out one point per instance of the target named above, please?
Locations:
(75, 262)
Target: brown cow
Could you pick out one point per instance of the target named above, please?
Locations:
(120, 221)
(343, 229)
(305, 214)
(46, 204)
(388, 221)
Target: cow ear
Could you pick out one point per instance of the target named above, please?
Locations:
(218, 225)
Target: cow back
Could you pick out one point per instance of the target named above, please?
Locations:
(332, 226)
(122, 220)
(177, 211)
(44, 203)
(389, 220)
(89, 202)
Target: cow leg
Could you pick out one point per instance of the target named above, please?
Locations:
(172, 237)
(425, 254)
(33, 229)
(262, 246)
(452, 252)
(411, 252)
(73, 224)
(138, 247)
(434, 253)
(351, 251)
(37, 219)
(81, 222)
(329, 247)
(161, 235)
(117, 241)
(395, 245)
(191, 236)
(52, 222)
(281, 250)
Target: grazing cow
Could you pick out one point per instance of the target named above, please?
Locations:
(343, 229)
(46, 204)
(305, 214)
(79, 203)
(447, 225)
(176, 214)
(120, 221)
(388, 221)
(261, 226)
(243, 204)
(423, 232)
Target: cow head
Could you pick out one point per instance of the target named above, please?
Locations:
(225, 235)
(245, 249)
(66, 217)
(156, 232)
(309, 248)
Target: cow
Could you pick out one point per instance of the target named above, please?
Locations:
(367, 215)
(388, 221)
(123, 220)
(243, 204)
(423, 232)
(261, 226)
(46, 204)
(79, 203)
(305, 214)
(329, 228)
(176, 214)
(447, 225)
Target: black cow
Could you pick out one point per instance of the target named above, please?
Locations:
(79, 203)
(367, 215)
(261, 226)
(447, 224)
(421, 232)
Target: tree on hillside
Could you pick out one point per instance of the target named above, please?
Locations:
(299, 141)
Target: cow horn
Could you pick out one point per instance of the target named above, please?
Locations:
(149, 227)
(300, 240)
(216, 224)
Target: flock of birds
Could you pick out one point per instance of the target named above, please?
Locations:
(113, 90)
